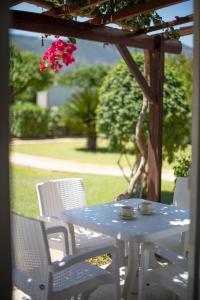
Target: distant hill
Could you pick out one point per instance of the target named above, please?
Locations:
(88, 52)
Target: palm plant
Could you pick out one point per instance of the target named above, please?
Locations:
(81, 113)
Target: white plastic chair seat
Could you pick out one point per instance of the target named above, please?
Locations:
(172, 277)
(173, 242)
(79, 276)
(85, 240)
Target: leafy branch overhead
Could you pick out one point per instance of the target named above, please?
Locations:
(98, 9)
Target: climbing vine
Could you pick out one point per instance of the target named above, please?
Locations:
(142, 21)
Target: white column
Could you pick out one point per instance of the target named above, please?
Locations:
(194, 262)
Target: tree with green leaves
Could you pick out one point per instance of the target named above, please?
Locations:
(121, 103)
(80, 113)
(85, 77)
(25, 76)
(183, 64)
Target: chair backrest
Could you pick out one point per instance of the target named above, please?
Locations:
(59, 194)
(30, 257)
(182, 193)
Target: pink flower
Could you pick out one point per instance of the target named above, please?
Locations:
(43, 67)
(59, 54)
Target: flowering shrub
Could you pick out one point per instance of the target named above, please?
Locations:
(59, 54)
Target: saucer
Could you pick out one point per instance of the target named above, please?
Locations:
(126, 217)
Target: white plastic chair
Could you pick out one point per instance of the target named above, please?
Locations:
(54, 196)
(173, 276)
(181, 199)
(38, 277)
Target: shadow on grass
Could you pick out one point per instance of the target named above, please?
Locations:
(167, 197)
(98, 150)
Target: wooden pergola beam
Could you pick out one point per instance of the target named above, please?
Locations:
(15, 2)
(40, 3)
(133, 11)
(177, 21)
(91, 4)
(185, 30)
(42, 23)
(65, 9)
(135, 71)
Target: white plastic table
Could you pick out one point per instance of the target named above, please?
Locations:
(167, 220)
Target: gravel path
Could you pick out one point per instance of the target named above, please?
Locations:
(53, 164)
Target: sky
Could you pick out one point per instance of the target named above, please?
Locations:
(168, 13)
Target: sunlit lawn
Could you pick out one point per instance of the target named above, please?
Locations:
(99, 189)
(75, 151)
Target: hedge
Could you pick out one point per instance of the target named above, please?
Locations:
(28, 120)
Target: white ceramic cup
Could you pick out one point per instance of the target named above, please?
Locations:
(127, 211)
(145, 207)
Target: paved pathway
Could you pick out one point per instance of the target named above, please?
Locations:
(53, 164)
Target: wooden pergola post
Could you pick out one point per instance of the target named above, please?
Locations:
(155, 122)
(154, 93)
(5, 249)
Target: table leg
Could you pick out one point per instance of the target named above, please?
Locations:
(146, 249)
(131, 285)
(121, 248)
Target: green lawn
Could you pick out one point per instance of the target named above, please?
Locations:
(71, 150)
(75, 151)
(99, 189)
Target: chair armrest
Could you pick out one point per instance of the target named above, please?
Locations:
(63, 230)
(68, 261)
(57, 229)
(49, 219)
(172, 256)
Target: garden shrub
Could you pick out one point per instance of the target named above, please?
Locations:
(28, 120)
(182, 166)
(55, 126)
(121, 101)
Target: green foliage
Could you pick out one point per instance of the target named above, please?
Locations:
(121, 100)
(142, 21)
(182, 166)
(80, 112)
(25, 76)
(28, 120)
(55, 126)
(139, 22)
(183, 65)
(120, 104)
(85, 77)
(177, 113)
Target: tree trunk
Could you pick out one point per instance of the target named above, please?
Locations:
(92, 142)
(140, 142)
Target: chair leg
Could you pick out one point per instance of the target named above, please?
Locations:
(115, 271)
